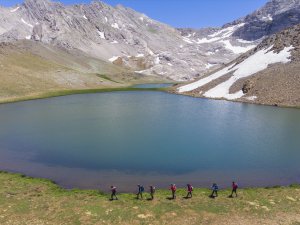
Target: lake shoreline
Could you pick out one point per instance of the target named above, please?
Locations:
(105, 192)
(50, 181)
(32, 201)
(173, 91)
(61, 93)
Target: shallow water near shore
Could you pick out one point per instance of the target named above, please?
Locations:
(126, 138)
(163, 85)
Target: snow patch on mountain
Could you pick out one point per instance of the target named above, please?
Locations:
(187, 40)
(28, 24)
(116, 26)
(236, 49)
(253, 64)
(101, 34)
(251, 98)
(267, 18)
(114, 58)
(244, 41)
(14, 10)
(209, 65)
(226, 32)
(220, 35)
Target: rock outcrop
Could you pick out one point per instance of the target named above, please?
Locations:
(268, 74)
(139, 42)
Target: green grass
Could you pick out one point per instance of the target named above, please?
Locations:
(26, 200)
(74, 92)
(107, 78)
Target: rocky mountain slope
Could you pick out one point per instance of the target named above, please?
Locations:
(268, 74)
(132, 40)
(238, 37)
(117, 35)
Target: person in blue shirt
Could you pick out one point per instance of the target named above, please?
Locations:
(215, 190)
(140, 191)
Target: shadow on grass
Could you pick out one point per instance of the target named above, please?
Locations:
(186, 197)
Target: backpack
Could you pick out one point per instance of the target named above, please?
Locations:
(142, 189)
(192, 188)
(153, 190)
(215, 188)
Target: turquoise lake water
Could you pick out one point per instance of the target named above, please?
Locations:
(125, 138)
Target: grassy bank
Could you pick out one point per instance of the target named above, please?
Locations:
(73, 92)
(25, 200)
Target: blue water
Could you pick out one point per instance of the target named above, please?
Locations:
(152, 85)
(125, 138)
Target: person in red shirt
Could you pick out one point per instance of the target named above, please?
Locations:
(189, 190)
(234, 189)
(173, 189)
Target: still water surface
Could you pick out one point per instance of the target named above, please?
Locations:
(125, 138)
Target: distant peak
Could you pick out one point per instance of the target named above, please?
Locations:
(37, 1)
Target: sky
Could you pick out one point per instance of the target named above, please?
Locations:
(182, 13)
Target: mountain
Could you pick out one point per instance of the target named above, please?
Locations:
(114, 34)
(132, 40)
(226, 43)
(275, 16)
(268, 74)
(31, 69)
(124, 45)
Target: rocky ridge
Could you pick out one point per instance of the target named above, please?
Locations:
(126, 38)
(267, 74)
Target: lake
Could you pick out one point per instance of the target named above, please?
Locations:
(126, 138)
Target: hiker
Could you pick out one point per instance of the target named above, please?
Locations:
(140, 191)
(189, 190)
(152, 191)
(173, 189)
(113, 193)
(234, 189)
(215, 189)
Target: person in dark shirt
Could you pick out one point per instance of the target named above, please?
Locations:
(152, 191)
(189, 191)
(113, 193)
(140, 191)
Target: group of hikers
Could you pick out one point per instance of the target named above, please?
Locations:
(173, 188)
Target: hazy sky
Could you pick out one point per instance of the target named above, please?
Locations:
(182, 13)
